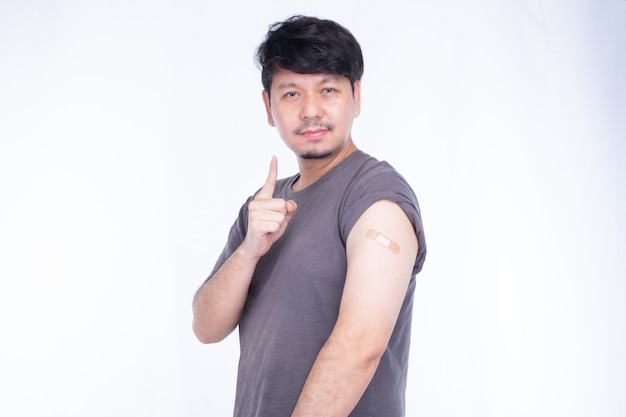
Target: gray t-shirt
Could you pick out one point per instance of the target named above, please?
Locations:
(294, 296)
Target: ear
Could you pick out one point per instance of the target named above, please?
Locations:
(357, 98)
(268, 109)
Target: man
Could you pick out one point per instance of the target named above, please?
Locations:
(319, 269)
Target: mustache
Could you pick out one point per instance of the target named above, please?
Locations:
(312, 124)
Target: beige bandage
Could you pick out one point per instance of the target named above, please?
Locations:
(383, 240)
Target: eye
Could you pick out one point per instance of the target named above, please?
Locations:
(328, 90)
(291, 94)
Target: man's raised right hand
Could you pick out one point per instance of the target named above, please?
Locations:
(268, 217)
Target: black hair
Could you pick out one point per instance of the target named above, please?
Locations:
(309, 45)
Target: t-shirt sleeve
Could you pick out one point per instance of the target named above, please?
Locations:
(235, 236)
(382, 183)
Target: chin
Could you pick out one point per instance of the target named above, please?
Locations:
(315, 155)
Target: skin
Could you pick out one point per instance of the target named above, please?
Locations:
(313, 114)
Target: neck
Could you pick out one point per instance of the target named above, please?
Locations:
(312, 170)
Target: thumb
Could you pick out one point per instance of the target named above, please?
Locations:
(291, 206)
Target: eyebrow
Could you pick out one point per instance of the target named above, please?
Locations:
(290, 84)
(285, 85)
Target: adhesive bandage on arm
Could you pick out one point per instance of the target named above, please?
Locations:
(383, 240)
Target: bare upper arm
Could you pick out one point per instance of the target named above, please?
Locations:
(381, 250)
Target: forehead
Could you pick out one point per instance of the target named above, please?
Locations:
(283, 79)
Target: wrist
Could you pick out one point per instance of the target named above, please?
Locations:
(246, 254)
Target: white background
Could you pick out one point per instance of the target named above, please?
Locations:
(131, 132)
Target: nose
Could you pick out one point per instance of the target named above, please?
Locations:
(311, 107)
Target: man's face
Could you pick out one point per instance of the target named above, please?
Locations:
(313, 113)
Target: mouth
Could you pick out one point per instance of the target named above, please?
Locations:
(314, 133)
(314, 129)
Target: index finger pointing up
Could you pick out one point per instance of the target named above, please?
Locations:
(268, 188)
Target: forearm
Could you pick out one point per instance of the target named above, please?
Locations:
(218, 303)
(337, 380)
